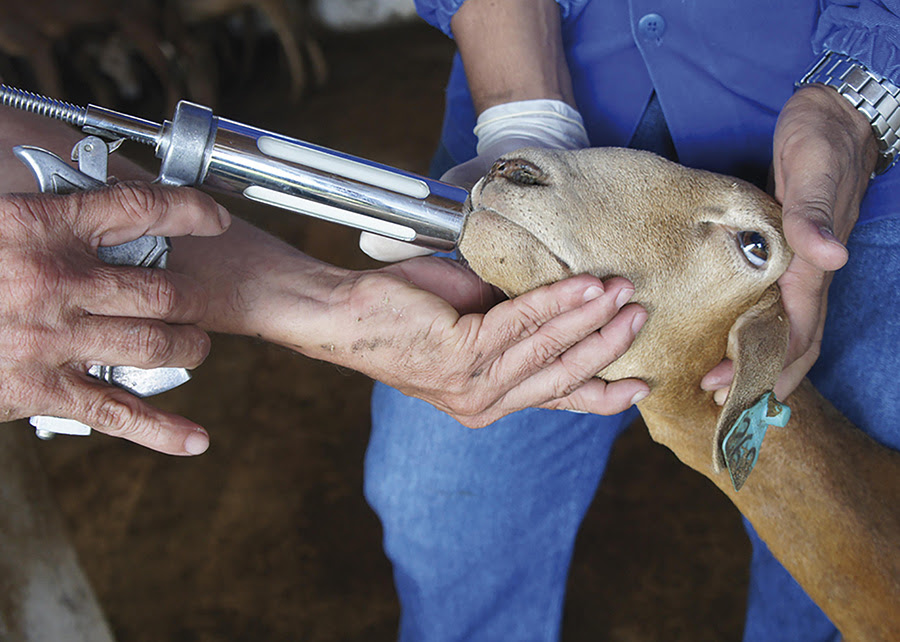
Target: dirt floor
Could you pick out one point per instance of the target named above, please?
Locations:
(267, 536)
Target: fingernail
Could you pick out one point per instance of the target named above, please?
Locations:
(828, 235)
(639, 396)
(196, 443)
(638, 322)
(624, 297)
(720, 395)
(224, 216)
(593, 292)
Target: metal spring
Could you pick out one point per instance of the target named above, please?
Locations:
(37, 104)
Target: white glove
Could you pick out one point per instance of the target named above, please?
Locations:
(500, 129)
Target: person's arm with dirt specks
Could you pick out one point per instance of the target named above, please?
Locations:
(427, 326)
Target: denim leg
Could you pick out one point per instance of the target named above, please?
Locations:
(480, 524)
(857, 373)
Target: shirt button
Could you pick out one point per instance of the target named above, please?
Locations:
(652, 26)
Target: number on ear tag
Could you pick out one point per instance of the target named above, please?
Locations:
(742, 443)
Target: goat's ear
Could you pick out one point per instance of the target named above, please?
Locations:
(757, 344)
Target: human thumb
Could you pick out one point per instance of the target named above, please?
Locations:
(808, 230)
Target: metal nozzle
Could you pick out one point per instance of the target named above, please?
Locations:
(43, 106)
(92, 119)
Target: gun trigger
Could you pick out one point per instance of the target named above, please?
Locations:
(92, 155)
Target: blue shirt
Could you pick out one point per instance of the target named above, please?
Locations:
(722, 72)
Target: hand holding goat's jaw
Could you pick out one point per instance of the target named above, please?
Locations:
(541, 349)
(434, 330)
(824, 155)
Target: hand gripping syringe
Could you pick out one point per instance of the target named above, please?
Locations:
(199, 148)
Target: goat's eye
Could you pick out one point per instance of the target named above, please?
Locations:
(754, 248)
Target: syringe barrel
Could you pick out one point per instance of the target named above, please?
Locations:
(197, 147)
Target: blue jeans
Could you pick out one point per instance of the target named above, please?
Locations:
(480, 524)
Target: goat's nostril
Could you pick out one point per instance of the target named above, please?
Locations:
(519, 171)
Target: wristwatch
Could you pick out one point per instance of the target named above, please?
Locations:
(872, 94)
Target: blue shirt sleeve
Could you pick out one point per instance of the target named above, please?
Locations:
(439, 12)
(865, 30)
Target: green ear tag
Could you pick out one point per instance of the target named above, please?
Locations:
(742, 443)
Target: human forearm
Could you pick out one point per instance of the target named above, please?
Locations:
(419, 325)
(260, 286)
(241, 268)
(512, 51)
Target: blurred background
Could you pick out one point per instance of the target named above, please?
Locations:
(267, 536)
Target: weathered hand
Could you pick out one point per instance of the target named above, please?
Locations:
(419, 326)
(824, 154)
(62, 310)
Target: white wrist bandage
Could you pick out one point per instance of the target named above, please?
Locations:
(548, 123)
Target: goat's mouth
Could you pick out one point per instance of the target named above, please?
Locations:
(519, 224)
(508, 255)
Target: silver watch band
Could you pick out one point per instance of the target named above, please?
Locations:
(872, 94)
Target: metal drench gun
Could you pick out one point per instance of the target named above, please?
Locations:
(199, 148)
